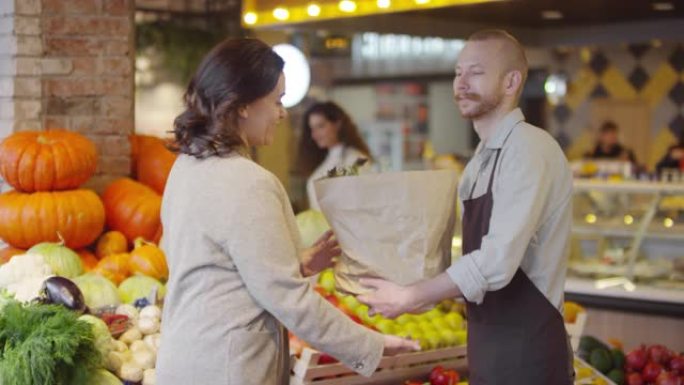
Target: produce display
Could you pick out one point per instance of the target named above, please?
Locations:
(78, 306)
(645, 365)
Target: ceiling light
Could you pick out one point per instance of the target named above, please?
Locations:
(384, 3)
(313, 10)
(347, 6)
(663, 6)
(551, 15)
(281, 13)
(250, 18)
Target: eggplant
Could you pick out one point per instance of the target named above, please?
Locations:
(61, 291)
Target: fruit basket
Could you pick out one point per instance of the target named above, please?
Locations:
(307, 369)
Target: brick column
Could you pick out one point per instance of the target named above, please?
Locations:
(69, 64)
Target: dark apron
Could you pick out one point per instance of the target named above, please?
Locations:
(515, 337)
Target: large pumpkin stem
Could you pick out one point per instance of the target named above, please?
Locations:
(61, 239)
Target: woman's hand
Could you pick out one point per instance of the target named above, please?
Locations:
(320, 256)
(395, 345)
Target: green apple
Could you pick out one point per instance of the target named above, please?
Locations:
(350, 302)
(412, 327)
(426, 325)
(441, 323)
(449, 337)
(327, 280)
(462, 336)
(385, 326)
(403, 319)
(434, 313)
(455, 320)
(361, 311)
(433, 339)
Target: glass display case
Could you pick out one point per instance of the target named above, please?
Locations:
(627, 247)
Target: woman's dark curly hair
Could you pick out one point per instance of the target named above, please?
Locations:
(235, 73)
(309, 154)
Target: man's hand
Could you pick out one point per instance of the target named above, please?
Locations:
(389, 299)
(395, 345)
(320, 256)
(392, 300)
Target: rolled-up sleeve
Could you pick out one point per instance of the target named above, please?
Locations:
(521, 187)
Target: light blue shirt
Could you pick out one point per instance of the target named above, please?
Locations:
(531, 216)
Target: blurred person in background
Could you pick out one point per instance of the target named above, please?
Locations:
(674, 157)
(608, 146)
(329, 139)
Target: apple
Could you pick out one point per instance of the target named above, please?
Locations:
(433, 313)
(326, 358)
(433, 339)
(449, 337)
(634, 379)
(434, 372)
(350, 302)
(452, 376)
(412, 327)
(385, 326)
(327, 280)
(404, 319)
(426, 325)
(651, 371)
(455, 320)
(668, 378)
(677, 365)
(659, 354)
(462, 336)
(441, 323)
(636, 359)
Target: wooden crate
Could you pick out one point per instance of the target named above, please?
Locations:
(392, 370)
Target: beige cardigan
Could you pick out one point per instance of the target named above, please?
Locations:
(232, 246)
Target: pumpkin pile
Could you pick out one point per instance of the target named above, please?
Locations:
(46, 169)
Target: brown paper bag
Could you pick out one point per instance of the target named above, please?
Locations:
(397, 226)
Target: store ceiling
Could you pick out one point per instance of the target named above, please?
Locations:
(530, 13)
(581, 21)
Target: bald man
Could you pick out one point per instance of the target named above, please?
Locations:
(515, 196)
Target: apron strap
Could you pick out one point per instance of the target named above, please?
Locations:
(491, 176)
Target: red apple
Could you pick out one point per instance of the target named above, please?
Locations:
(636, 359)
(677, 365)
(634, 379)
(326, 359)
(452, 376)
(651, 371)
(659, 354)
(434, 372)
(668, 378)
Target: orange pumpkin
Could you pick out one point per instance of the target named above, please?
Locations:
(148, 259)
(133, 209)
(88, 259)
(47, 160)
(152, 161)
(111, 242)
(28, 219)
(114, 267)
(8, 252)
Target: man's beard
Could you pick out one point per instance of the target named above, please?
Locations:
(483, 105)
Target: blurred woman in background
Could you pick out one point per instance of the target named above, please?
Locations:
(329, 139)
